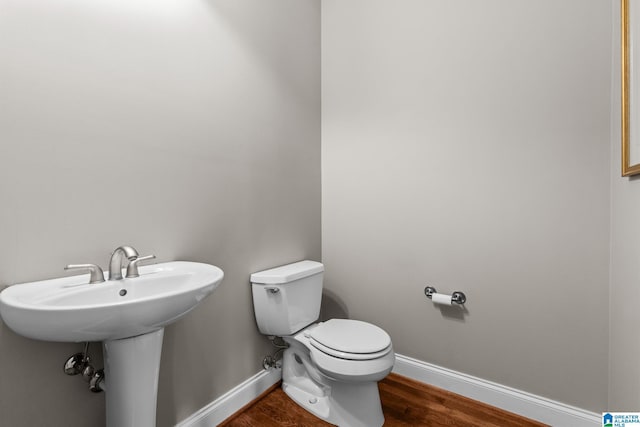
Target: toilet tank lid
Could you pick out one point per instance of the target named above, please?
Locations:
(287, 273)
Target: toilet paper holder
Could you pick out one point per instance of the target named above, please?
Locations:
(457, 297)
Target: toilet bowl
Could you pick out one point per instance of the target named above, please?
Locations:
(350, 350)
(330, 368)
(338, 384)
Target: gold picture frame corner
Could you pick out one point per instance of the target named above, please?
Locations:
(627, 79)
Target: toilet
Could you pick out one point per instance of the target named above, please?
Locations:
(330, 368)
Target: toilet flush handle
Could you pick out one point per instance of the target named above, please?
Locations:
(272, 290)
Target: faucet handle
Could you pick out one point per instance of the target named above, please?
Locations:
(132, 268)
(97, 276)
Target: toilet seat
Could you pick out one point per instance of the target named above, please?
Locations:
(370, 356)
(350, 339)
(349, 356)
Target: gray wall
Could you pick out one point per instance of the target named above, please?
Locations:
(624, 369)
(466, 145)
(189, 129)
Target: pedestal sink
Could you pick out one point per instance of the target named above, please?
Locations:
(127, 315)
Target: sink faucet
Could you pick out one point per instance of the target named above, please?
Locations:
(115, 265)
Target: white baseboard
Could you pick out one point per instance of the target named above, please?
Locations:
(233, 400)
(519, 402)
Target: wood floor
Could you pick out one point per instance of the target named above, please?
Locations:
(405, 403)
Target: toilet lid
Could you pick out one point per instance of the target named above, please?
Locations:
(346, 338)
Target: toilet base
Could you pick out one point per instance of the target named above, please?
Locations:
(344, 404)
(349, 405)
(318, 406)
(356, 405)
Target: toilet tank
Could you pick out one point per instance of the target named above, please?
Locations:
(286, 299)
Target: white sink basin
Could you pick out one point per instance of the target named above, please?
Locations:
(70, 309)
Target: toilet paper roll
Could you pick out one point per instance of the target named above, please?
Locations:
(441, 299)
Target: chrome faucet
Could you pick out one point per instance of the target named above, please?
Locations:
(115, 265)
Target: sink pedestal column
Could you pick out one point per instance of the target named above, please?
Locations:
(131, 367)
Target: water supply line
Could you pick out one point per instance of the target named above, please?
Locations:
(79, 364)
(275, 360)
